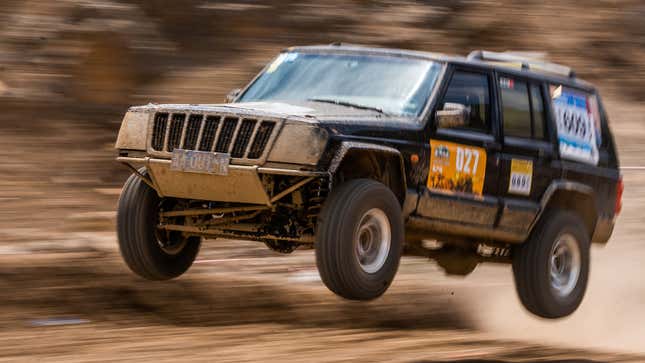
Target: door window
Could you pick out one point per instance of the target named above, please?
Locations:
(516, 107)
(470, 92)
(522, 109)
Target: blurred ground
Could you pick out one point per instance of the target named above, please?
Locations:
(69, 68)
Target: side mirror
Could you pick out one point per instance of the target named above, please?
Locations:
(231, 96)
(452, 115)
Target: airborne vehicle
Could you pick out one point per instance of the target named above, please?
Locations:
(365, 154)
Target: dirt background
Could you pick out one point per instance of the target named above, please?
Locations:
(69, 69)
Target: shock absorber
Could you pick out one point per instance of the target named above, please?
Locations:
(316, 194)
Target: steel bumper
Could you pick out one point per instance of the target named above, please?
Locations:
(241, 185)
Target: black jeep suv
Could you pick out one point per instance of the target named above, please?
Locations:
(365, 154)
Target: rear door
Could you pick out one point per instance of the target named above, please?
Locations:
(462, 179)
(527, 160)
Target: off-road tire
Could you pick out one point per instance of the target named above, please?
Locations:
(137, 217)
(338, 223)
(531, 266)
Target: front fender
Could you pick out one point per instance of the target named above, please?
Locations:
(397, 183)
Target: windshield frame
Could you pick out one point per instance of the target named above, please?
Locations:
(420, 119)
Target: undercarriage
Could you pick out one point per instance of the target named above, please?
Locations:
(288, 223)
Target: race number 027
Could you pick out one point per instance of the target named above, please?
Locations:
(467, 160)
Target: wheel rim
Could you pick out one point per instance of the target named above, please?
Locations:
(170, 242)
(565, 265)
(174, 248)
(372, 240)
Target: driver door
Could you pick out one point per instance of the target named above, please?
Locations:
(464, 153)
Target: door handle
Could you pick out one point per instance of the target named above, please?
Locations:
(492, 146)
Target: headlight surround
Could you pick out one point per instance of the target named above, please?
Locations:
(299, 143)
(133, 134)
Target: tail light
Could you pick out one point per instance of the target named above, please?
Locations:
(620, 187)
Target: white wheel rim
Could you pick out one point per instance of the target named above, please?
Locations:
(564, 265)
(372, 240)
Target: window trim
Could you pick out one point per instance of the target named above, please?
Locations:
(531, 109)
(546, 135)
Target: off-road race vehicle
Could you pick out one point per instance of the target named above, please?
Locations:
(365, 154)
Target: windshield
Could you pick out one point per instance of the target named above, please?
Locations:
(387, 84)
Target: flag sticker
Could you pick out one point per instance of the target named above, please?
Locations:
(506, 83)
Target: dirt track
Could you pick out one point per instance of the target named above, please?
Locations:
(251, 310)
(59, 264)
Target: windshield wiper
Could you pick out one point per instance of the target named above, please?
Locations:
(348, 104)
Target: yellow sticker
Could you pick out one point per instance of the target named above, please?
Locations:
(456, 167)
(521, 177)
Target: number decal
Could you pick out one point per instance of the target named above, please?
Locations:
(476, 159)
(467, 160)
(456, 167)
(460, 159)
(521, 177)
(578, 124)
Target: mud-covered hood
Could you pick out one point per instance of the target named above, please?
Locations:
(308, 111)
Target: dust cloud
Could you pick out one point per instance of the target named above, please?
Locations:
(612, 314)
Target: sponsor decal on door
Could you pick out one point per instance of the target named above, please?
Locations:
(456, 168)
(521, 177)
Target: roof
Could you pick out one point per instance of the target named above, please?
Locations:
(509, 68)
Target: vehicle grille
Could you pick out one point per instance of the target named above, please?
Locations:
(159, 131)
(261, 139)
(176, 128)
(243, 138)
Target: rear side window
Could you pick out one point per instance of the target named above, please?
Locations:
(522, 109)
(578, 123)
(472, 91)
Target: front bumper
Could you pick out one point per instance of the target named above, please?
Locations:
(243, 184)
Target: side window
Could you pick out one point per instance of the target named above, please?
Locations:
(469, 92)
(516, 107)
(522, 109)
(578, 123)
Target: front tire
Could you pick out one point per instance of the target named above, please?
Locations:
(551, 269)
(147, 252)
(359, 239)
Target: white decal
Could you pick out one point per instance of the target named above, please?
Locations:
(576, 124)
(465, 158)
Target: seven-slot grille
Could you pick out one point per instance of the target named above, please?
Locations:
(244, 138)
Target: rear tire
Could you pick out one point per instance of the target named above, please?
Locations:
(139, 240)
(359, 239)
(551, 269)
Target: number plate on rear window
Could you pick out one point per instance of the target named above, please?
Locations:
(200, 162)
